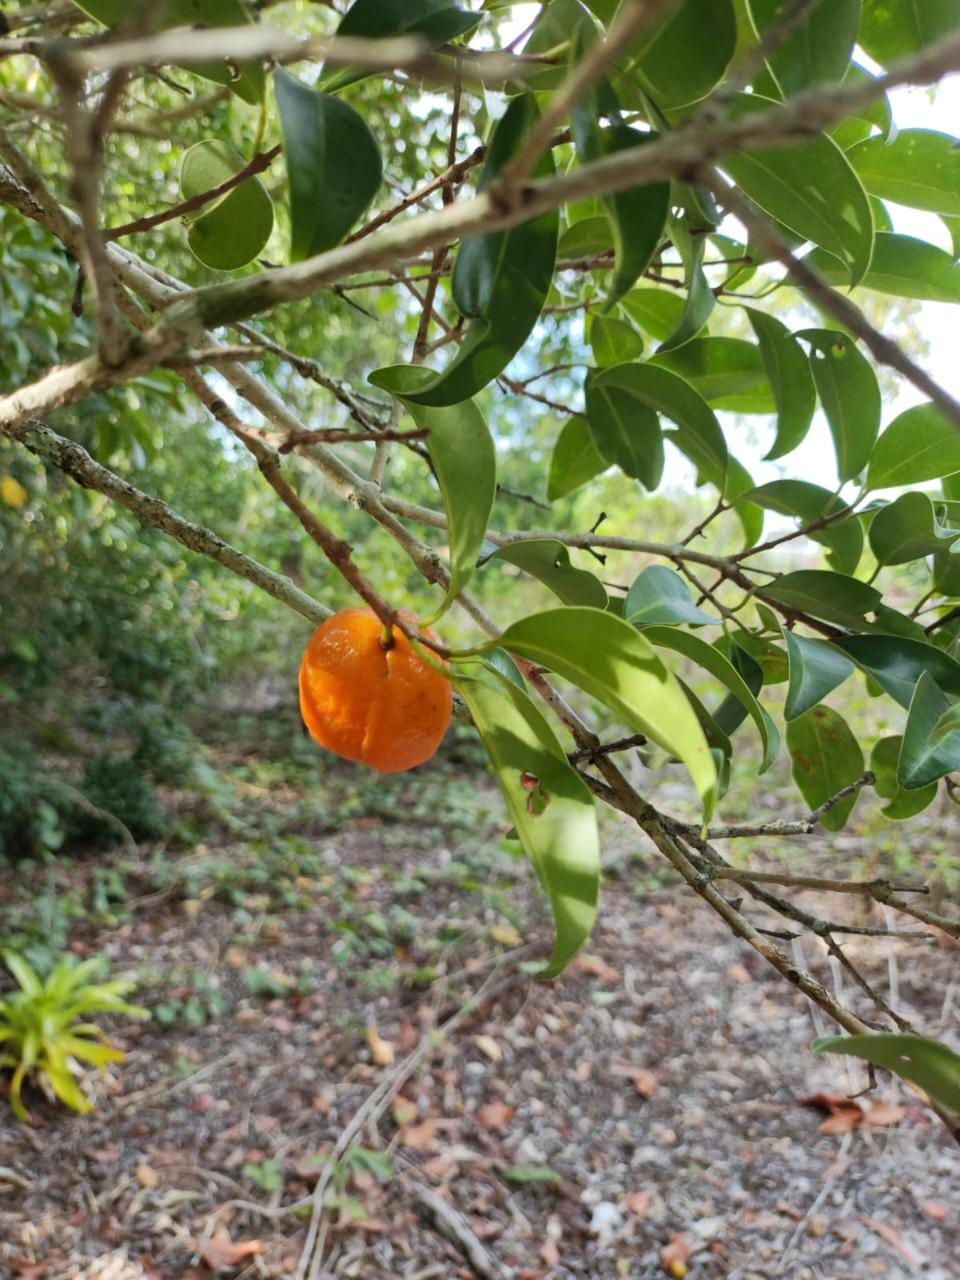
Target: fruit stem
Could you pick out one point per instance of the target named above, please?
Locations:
(387, 638)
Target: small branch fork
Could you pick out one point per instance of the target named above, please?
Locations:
(130, 345)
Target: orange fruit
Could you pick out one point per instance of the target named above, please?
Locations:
(382, 705)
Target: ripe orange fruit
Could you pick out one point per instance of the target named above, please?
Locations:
(383, 706)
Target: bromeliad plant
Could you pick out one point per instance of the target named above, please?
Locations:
(45, 1032)
(672, 203)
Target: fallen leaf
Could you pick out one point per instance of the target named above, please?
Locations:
(550, 1253)
(403, 1109)
(596, 967)
(495, 1115)
(106, 1155)
(739, 973)
(637, 1202)
(645, 1083)
(147, 1176)
(381, 1051)
(439, 1166)
(844, 1114)
(892, 1238)
(674, 1256)
(419, 1136)
(935, 1210)
(583, 1071)
(489, 1046)
(883, 1114)
(505, 934)
(220, 1253)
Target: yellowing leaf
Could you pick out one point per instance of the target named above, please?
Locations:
(12, 492)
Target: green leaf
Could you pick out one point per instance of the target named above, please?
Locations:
(436, 21)
(549, 561)
(826, 758)
(907, 530)
(817, 50)
(816, 669)
(918, 167)
(728, 372)
(809, 503)
(586, 237)
(831, 596)
(920, 444)
(790, 378)
(658, 312)
(333, 165)
(901, 804)
(465, 463)
(624, 433)
(230, 232)
(739, 482)
(680, 60)
(700, 299)
(926, 754)
(531, 1173)
(896, 663)
(500, 280)
(901, 266)
(575, 459)
(812, 189)
(246, 80)
(551, 807)
(891, 29)
(611, 661)
(614, 341)
(660, 596)
(927, 1063)
(850, 396)
(712, 660)
(639, 386)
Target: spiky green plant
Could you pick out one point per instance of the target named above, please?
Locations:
(43, 1031)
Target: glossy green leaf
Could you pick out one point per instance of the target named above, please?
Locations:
(891, 29)
(625, 433)
(611, 661)
(920, 444)
(809, 503)
(817, 50)
(680, 60)
(500, 280)
(902, 266)
(711, 659)
(918, 167)
(927, 755)
(465, 464)
(927, 1063)
(699, 298)
(552, 809)
(728, 372)
(831, 596)
(811, 188)
(850, 396)
(501, 662)
(739, 483)
(897, 662)
(953, 228)
(575, 459)
(816, 669)
(436, 21)
(907, 530)
(826, 757)
(246, 80)
(659, 595)
(791, 381)
(549, 561)
(333, 166)
(946, 574)
(900, 804)
(639, 386)
(614, 341)
(230, 232)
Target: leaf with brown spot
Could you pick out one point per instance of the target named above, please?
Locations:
(220, 1253)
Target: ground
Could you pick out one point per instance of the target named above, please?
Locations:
(641, 1116)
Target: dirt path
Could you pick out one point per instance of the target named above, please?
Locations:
(638, 1117)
